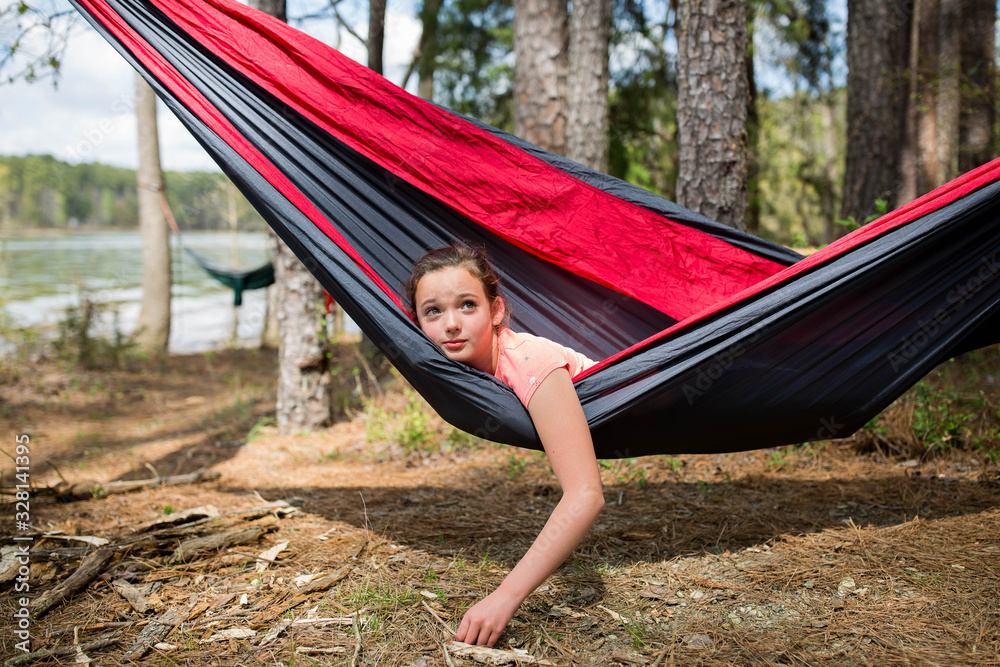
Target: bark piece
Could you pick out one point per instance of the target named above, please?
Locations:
(320, 584)
(493, 656)
(245, 535)
(155, 632)
(136, 600)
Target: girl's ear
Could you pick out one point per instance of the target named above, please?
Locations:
(499, 310)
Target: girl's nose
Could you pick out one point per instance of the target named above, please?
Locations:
(451, 321)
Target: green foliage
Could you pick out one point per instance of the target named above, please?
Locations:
(942, 417)
(40, 192)
(950, 409)
(475, 69)
(850, 224)
(35, 36)
(642, 102)
(414, 433)
(256, 429)
(515, 465)
(800, 153)
(79, 342)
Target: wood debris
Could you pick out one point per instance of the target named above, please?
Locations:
(155, 632)
(494, 656)
(89, 569)
(136, 599)
(90, 488)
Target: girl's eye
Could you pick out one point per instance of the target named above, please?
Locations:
(469, 304)
(430, 311)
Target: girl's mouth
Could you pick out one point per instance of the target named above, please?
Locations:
(454, 344)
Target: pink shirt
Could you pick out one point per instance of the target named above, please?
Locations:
(524, 361)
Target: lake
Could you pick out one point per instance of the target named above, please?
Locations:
(42, 276)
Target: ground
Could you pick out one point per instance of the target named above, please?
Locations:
(853, 552)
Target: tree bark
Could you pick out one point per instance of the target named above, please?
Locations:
(428, 48)
(152, 330)
(275, 8)
(712, 95)
(376, 34)
(949, 72)
(753, 136)
(926, 98)
(979, 92)
(588, 119)
(909, 161)
(873, 107)
(304, 401)
(540, 70)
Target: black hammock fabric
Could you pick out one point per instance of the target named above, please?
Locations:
(710, 340)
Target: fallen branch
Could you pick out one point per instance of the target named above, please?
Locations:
(59, 652)
(87, 489)
(89, 569)
(494, 656)
(196, 545)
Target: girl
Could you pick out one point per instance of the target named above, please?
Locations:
(455, 294)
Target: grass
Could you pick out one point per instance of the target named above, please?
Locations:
(956, 407)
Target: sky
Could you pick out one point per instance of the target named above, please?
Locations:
(90, 116)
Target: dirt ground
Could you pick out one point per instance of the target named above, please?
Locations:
(836, 553)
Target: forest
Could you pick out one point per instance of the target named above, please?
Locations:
(925, 112)
(40, 192)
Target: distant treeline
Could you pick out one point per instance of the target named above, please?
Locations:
(41, 192)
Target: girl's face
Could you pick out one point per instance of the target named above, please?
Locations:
(453, 310)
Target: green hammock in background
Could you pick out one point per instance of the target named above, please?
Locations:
(238, 281)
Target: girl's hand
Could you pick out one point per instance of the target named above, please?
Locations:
(562, 427)
(485, 620)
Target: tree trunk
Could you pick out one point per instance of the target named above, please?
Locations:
(540, 64)
(304, 400)
(925, 98)
(949, 72)
(587, 83)
(275, 8)
(376, 34)
(873, 107)
(979, 92)
(909, 161)
(712, 92)
(753, 136)
(152, 330)
(428, 47)
(828, 200)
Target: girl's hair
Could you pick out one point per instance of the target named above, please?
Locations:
(472, 259)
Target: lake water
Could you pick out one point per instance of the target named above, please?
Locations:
(42, 276)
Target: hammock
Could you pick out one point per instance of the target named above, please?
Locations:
(709, 339)
(235, 279)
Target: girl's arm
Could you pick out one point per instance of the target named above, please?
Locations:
(562, 427)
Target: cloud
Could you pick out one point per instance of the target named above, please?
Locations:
(90, 117)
